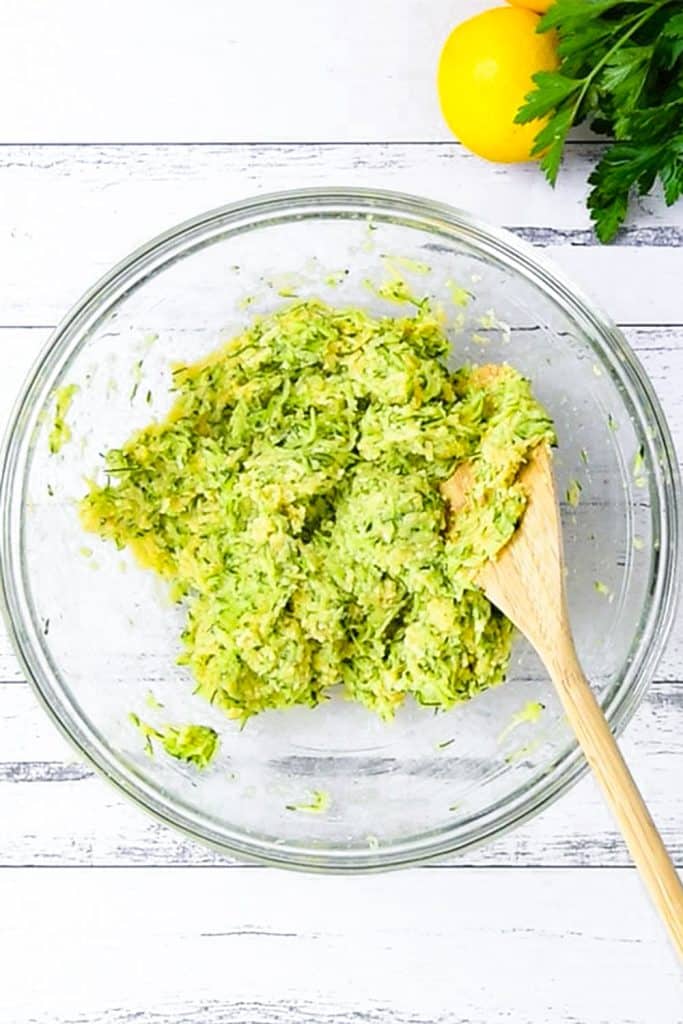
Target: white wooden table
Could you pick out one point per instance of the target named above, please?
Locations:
(118, 119)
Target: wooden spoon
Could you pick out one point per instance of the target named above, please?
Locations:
(526, 581)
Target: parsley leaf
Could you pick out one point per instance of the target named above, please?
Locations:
(621, 69)
(552, 88)
(550, 143)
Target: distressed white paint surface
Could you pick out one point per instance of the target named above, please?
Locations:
(68, 213)
(83, 821)
(546, 925)
(483, 946)
(170, 71)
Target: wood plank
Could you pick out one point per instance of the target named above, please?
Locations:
(254, 71)
(83, 821)
(68, 213)
(478, 946)
(659, 349)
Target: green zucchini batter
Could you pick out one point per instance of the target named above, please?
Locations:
(291, 498)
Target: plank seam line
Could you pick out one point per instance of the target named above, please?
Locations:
(233, 144)
(623, 325)
(235, 866)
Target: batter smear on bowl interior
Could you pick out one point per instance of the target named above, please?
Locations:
(291, 499)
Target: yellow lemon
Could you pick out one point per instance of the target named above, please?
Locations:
(484, 74)
(540, 6)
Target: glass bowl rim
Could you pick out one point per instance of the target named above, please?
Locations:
(284, 207)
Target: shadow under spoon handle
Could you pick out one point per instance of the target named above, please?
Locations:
(623, 796)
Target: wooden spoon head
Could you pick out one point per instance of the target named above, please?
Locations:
(526, 580)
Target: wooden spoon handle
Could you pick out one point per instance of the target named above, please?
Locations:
(603, 755)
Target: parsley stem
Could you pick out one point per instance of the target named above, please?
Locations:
(640, 20)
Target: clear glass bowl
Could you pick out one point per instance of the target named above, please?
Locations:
(95, 633)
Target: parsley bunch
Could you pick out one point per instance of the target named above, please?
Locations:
(621, 69)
